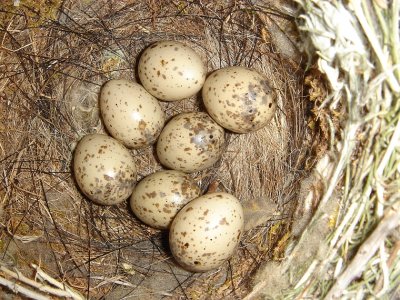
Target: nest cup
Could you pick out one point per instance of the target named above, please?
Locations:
(53, 102)
(56, 56)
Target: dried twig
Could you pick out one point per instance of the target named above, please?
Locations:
(62, 290)
(364, 254)
(16, 288)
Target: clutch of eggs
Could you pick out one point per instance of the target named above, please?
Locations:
(204, 231)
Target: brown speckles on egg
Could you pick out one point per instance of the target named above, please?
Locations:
(223, 221)
(142, 125)
(183, 71)
(140, 121)
(104, 169)
(167, 211)
(158, 197)
(212, 226)
(153, 194)
(195, 142)
(246, 93)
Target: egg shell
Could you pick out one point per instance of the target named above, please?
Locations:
(158, 197)
(130, 113)
(104, 169)
(239, 99)
(190, 142)
(206, 232)
(171, 70)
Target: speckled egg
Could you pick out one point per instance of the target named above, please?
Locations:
(239, 99)
(206, 231)
(171, 70)
(104, 169)
(130, 113)
(158, 197)
(190, 142)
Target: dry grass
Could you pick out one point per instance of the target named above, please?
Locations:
(52, 67)
(350, 248)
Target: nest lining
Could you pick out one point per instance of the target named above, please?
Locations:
(53, 69)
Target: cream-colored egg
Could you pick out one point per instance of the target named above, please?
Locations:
(190, 142)
(206, 231)
(158, 197)
(171, 70)
(239, 99)
(130, 113)
(104, 169)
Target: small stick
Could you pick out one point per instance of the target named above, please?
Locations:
(16, 288)
(63, 292)
(390, 261)
(364, 254)
(61, 286)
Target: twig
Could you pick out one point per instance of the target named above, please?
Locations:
(307, 274)
(60, 292)
(62, 286)
(256, 291)
(114, 280)
(390, 261)
(364, 254)
(23, 290)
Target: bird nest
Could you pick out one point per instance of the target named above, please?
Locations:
(316, 184)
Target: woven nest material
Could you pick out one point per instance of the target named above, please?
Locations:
(53, 68)
(294, 178)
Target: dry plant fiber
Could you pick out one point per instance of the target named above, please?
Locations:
(353, 236)
(54, 57)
